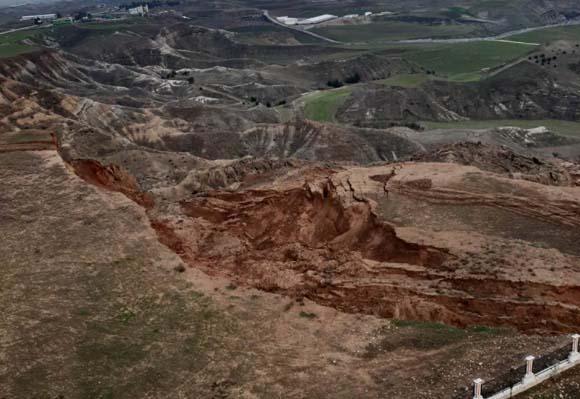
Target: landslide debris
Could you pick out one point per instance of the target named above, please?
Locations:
(330, 240)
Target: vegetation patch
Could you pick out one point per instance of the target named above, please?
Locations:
(467, 61)
(308, 315)
(549, 35)
(390, 31)
(322, 106)
(11, 44)
(406, 80)
(456, 12)
(425, 336)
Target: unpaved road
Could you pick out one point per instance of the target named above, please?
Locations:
(25, 28)
(486, 38)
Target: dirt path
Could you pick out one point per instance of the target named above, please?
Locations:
(483, 38)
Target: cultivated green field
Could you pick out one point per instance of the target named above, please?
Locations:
(465, 61)
(105, 26)
(549, 35)
(393, 30)
(565, 128)
(406, 80)
(322, 106)
(253, 34)
(10, 44)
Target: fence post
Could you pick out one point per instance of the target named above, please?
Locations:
(477, 388)
(529, 370)
(574, 355)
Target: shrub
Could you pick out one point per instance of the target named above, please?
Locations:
(354, 78)
(334, 83)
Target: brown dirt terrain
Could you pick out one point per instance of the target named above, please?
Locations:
(118, 321)
(325, 240)
(168, 239)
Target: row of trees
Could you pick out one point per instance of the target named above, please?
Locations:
(351, 79)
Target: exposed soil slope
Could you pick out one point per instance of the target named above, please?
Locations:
(325, 241)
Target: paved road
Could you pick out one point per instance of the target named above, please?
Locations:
(275, 21)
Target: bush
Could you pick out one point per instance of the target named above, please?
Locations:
(354, 78)
(334, 83)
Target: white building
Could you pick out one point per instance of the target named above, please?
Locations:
(139, 10)
(368, 14)
(288, 20)
(317, 20)
(43, 17)
(350, 16)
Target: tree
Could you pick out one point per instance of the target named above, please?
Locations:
(191, 80)
(354, 78)
(334, 83)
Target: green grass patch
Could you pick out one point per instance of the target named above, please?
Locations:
(465, 61)
(425, 336)
(255, 33)
(308, 315)
(11, 43)
(105, 25)
(391, 30)
(406, 80)
(543, 36)
(322, 106)
(565, 128)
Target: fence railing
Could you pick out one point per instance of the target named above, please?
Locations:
(528, 375)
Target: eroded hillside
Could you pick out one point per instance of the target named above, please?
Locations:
(170, 205)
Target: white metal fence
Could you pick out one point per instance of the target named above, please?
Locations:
(531, 378)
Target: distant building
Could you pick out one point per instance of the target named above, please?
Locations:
(317, 20)
(63, 21)
(368, 14)
(42, 17)
(288, 20)
(139, 10)
(350, 16)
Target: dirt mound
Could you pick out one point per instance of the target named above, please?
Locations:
(499, 160)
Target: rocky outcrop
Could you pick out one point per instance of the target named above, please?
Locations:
(499, 160)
